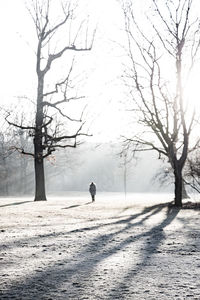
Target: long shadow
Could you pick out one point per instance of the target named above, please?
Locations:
(77, 205)
(16, 203)
(156, 236)
(86, 260)
(120, 220)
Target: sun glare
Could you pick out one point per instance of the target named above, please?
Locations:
(192, 92)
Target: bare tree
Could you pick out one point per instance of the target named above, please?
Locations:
(192, 172)
(9, 169)
(4, 154)
(55, 38)
(159, 66)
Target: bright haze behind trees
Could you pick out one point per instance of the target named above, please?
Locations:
(58, 34)
(103, 64)
(161, 56)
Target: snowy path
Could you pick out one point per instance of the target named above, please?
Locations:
(70, 248)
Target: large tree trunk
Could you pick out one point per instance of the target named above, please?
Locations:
(38, 144)
(39, 170)
(39, 181)
(178, 186)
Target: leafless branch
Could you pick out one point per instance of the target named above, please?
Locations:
(17, 125)
(22, 151)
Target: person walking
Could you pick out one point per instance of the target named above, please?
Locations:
(92, 190)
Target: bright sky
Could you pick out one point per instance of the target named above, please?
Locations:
(18, 61)
(104, 64)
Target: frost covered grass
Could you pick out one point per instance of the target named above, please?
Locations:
(136, 247)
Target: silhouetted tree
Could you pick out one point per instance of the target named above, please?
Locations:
(55, 38)
(156, 75)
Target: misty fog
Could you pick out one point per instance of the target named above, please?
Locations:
(73, 170)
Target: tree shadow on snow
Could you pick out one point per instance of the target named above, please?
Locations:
(16, 203)
(155, 236)
(77, 205)
(77, 273)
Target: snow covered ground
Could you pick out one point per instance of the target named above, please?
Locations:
(136, 247)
